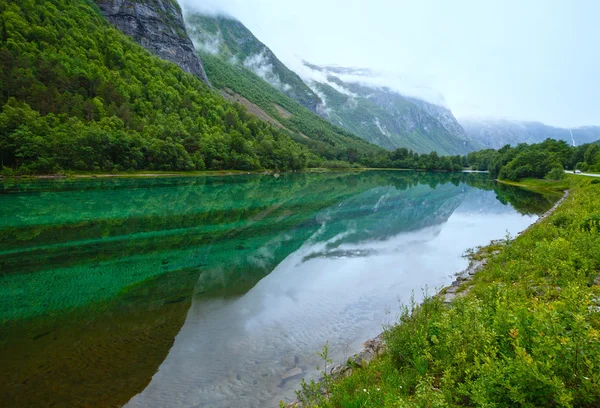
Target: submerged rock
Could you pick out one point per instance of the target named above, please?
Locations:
(291, 373)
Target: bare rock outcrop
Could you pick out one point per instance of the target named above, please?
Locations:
(158, 26)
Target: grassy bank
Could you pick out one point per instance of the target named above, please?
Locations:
(527, 334)
(203, 173)
(542, 186)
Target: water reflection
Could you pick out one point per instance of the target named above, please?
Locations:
(368, 252)
(96, 277)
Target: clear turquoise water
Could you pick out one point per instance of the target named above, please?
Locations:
(246, 271)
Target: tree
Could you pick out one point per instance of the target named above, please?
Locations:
(591, 155)
(556, 173)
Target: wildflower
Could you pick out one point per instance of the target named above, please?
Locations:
(364, 390)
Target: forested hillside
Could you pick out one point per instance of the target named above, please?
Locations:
(78, 94)
(319, 135)
(376, 114)
(231, 40)
(547, 159)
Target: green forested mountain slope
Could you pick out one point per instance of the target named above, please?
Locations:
(76, 93)
(233, 42)
(378, 125)
(308, 128)
(377, 115)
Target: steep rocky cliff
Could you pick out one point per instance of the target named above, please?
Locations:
(158, 26)
(442, 115)
(384, 116)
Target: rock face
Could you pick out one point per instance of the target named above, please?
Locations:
(444, 116)
(358, 101)
(156, 25)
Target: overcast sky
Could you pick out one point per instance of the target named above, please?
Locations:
(517, 59)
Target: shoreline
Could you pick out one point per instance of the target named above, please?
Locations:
(460, 287)
(213, 173)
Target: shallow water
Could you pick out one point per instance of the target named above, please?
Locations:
(205, 291)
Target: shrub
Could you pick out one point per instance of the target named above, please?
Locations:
(591, 224)
(556, 173)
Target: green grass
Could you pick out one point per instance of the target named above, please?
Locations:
(527, 334)
(541, 185)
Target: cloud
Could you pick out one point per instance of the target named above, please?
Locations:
(310, 75)
(533, 60)
(261, 66)
(403, 84)
(208, 8)
(323, 109)
(209, 44)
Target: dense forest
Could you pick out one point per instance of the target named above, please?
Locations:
(78, 94)
(548, 159)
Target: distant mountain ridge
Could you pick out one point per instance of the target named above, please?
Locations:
(496, 133)
(385, 117)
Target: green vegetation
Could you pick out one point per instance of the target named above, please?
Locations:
(78, 94)
(547, 159)
(340, 148)
(235, 43)
(527, 334)
(378, 116)
(403, 158)
(547, 187)
(115, 262)
(305, 126)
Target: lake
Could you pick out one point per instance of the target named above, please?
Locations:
(205, 291)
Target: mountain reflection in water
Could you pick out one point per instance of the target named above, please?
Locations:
(98, 275)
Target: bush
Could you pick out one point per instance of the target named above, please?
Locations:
(556, 173)
(591, 224)
(336, 164)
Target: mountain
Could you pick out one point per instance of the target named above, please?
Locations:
(495, 133)
(156, 25)
(240, 83)
(78, 94)
(232, 41)
(385, 117)
(375, 114)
